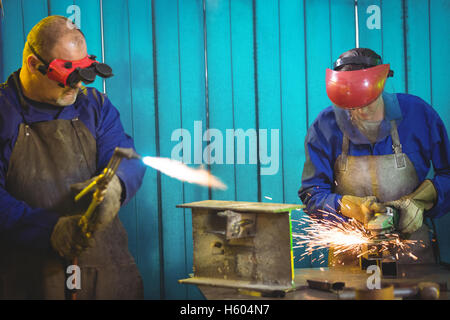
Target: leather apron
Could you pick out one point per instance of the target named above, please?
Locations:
(46, 159)
(387, 177)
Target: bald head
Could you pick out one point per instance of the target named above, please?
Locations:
(51, 33)
(54, 37)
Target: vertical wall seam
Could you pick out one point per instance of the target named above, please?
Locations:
(355, 8)
(182, 150)
(429, 48)
(330, 39)
(49, 7)
(2, 51)
(405, 44)
(130, 78)
(281, 103)
(232, 99)
(382, 29)
(158, 152)
(23, 21)
(102, 31)
(255, 72)
(306, 63)
(205, 45)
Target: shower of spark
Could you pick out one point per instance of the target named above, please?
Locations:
(345, 237)
(182, 172)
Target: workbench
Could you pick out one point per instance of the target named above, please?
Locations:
(243, 250)
(408, 275)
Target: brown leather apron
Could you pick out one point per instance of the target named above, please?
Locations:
(47, 158)
(387, 177)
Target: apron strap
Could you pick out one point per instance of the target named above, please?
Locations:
(23, 104)
(397, 147)
(344, 154)
(77, 126)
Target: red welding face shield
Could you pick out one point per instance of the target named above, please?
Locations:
(358, 88)
(70, 73)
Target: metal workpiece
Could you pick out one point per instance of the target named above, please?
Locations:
(381, 253)
(242, 245)
(325, 285)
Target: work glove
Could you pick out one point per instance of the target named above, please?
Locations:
(107, 210)
(361, 209)
(412, 206)
(67, 239)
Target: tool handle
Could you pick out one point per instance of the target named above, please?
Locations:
(85, 222)
(73, 294)
(86, 190)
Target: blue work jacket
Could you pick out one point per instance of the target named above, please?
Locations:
(422, 134)
(33, 226)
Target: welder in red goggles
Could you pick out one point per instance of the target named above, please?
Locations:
(69, 73)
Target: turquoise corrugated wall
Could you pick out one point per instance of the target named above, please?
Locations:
(232, 64)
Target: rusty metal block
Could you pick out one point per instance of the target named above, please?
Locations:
(242, 244)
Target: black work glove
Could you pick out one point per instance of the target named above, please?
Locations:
(67, 239)
(107, 210)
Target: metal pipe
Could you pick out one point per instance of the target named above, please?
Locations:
(423, 290)
(103, 41)
(356, 25)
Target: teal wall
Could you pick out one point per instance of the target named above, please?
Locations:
(265, 63)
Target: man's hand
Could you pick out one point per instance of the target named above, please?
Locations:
(361, 209)
(411, 207)
(67, 238)
(109, 207)
(410, 212)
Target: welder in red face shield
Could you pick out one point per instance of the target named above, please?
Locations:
(373, 149)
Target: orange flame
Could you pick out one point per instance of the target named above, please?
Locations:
(182, 172)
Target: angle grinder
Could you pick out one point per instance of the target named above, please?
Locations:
(383, 224)
(382, 229)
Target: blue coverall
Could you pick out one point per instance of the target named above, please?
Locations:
(32, 227)
(422, 134)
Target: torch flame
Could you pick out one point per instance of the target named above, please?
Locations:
(182, 172)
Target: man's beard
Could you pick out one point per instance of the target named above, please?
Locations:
(67, 99)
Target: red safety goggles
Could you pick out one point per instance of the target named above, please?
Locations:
(70, 73)
(358, 88)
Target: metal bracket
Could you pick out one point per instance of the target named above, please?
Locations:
(239, 225)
